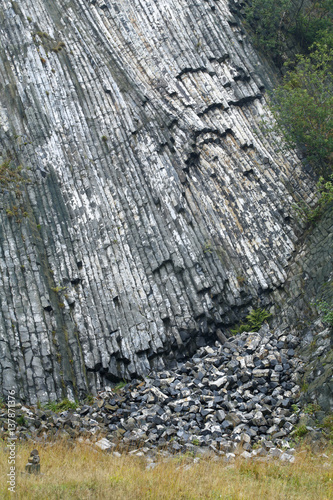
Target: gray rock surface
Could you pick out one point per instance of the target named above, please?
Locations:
(156, 211)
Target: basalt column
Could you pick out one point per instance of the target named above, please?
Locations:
(150, 210)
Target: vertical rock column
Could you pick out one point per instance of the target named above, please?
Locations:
(156, 212)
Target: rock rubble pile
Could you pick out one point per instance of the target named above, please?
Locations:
(224, 397)
(232, 398)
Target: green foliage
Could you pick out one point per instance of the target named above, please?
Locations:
(311, 408)
(16, 212)
(294, 408)
(12, 180)
(328, 422)
(313, 23)
(325, 189)
(21, 420)
(328, 425)
(266, 18)
(301, 431)
(277, 22)
(302, 106)
(240, 279)
(11, 177)
(207, 248)
(327, 309)
(63, 405)
(119, 386)
(304, 387)
(89, 400)
(41, 34)
(58, 289)
(254, 321)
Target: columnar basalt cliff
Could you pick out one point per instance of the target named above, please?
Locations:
(157, 212)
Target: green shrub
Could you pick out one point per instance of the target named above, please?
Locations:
(63, 405)
(21, 420)
(302, 106)
(301, 431)
(325, 189)
(254, 321)
(328, 423)
(41, 34)
(327, 309)
(304, 387)
(328, 426)
(311, 408)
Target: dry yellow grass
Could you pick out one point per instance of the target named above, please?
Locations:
(82, 473)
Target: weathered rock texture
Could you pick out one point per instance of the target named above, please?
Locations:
(310, 280)
(157, 211)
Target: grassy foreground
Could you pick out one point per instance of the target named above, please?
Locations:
(83, 472)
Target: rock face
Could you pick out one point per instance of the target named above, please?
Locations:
(156, 210)
(310, 280)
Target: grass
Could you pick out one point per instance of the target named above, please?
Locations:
(119, 386)
(87, 473)
(328, 426)
(63, 405)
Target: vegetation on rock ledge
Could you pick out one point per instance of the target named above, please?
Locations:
(254, 321)
(63, 405)
(11, 178)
